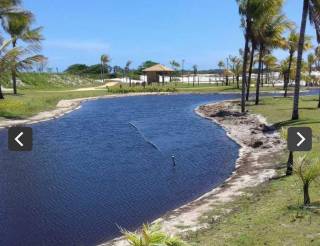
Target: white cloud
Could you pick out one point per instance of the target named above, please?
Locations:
(78, 45)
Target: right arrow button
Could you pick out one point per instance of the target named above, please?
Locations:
(299, 138)
(303, 139)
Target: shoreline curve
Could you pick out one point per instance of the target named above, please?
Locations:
(253, 167)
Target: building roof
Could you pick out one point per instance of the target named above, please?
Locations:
(158, 68)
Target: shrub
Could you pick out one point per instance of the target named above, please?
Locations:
(307, 170)
(151, 235)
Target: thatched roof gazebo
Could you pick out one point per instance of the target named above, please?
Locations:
(153, 73)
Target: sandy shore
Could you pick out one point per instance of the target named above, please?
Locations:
(259, 144)
(66, 106)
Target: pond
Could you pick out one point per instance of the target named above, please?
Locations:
(109, 164)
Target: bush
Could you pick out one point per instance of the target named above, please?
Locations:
(307, 170)
(151, 235)
(122, 89)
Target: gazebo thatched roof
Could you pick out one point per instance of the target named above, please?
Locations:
(158, 68)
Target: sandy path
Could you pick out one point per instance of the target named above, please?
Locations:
(258, 143)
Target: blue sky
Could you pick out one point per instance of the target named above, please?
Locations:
(200, 31)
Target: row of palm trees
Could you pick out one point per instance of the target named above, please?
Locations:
(264, 25)
(21, 50)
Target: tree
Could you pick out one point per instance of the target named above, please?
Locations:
(221, 66)
(307, 170)
(250, 11)
(237, 71)
(311, 60)
(127, 70)
(104, 59)
(17, 25)
(7, 58)
(195, 72)
(175, 66)
(233, 60)
(270, 62)
(292, 45)
(253, 48)
(269, 30)
(312, 8)
(152, 236)
(77, 69)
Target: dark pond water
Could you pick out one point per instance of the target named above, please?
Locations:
(109, 164)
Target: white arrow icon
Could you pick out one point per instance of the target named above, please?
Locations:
(17, 139)
(303, 139)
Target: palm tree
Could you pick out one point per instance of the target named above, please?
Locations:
(269, 30)
(292, 46)
(250, 11)
(311, 7)
(233, 60)
(175, 66)
(7, 58)
(104, 59)
(311, 60)
(127, 70)
(17, 25)
(195, 72)
(237, 71)
(271, 63)
(253, 48)
(221, 66)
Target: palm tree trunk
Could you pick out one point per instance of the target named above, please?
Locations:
(250, 73)
(238, 86)
(262, 74)
(290, 164)
(1, 94)
(319, 99)
(244, 68)
(101, 73)
(287, 78)
(295, 111)
(259, 75)
(306, 196)
(14, 73)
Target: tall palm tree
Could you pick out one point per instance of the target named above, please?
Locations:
(175, 66)
(252, 50)
(311, 60)
(237, 71)
(195, 72)
(271, 63)
(250, 12)
(269, 30)
(221, 66)
(311, 7)
(17, 25)
(8, 57)
(292, 46)
(127, 70)
(233, 60)
(104, 59)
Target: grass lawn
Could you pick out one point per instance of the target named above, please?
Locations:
(31, 102)
(271, 215)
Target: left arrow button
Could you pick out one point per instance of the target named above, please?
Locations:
(20, 139)
(17, 139)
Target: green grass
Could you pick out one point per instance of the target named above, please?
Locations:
(31, 102)
(272, 214)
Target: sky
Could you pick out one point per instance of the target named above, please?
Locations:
(201, 32)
